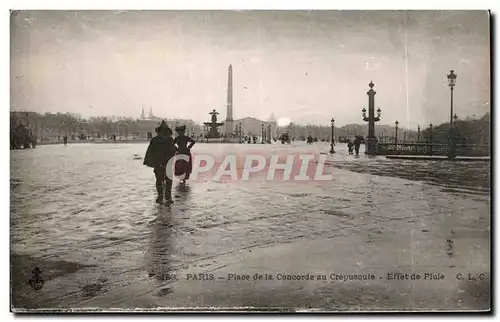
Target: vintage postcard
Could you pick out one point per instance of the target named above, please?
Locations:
(330, 161)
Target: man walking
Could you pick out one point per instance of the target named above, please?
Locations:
(357, 143)
(160, 150)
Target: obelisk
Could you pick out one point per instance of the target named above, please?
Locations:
(229, 114)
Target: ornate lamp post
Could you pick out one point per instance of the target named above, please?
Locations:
(418, 134)
(371, 140)
(236, 131)
(269, 136)
(452, 78)
(262, 126)
(332, 151)
(241, 133)
(396, 135)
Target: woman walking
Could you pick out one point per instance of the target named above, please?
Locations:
(184, 144)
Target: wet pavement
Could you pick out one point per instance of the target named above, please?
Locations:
(85, 214)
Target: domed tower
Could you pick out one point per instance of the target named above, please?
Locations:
(272, 118)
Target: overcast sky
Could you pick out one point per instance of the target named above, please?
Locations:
(306, 66)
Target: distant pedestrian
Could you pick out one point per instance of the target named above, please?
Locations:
(357, 143)
(350, 147)
(65, 140)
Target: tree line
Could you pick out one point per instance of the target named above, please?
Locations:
(50, 125)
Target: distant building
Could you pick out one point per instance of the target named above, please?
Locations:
(148, 124)
(252, 126)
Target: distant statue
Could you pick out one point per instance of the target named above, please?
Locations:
(214, 116)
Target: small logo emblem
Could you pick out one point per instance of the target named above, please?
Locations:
(36, 281)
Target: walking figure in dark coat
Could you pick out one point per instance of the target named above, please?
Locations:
(182, 141)
(160, 150)
(357, 143)
(350, 146)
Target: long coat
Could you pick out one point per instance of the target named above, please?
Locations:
(159, 152)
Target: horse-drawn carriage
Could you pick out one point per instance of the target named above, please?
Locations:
(22, 137)
(285, 138)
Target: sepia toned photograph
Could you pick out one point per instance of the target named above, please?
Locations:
(250, 160)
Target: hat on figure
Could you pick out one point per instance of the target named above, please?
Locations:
(163, 129)
(181, 128)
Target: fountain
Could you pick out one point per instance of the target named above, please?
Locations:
(213, 133)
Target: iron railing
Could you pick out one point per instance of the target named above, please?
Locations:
(476, 150)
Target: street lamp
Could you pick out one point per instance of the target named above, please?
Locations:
(241, 133)
(262, 126)
(418, 134)
(371, 140)
(332, 151)
(396, 136)
(452, 78)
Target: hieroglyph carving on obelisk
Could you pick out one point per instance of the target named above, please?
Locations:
(229, 115)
